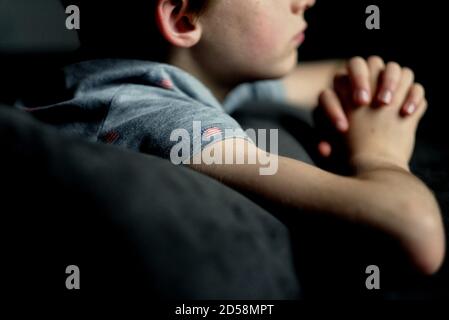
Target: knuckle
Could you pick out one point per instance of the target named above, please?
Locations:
(324, 96)
(393, 74)
(408, 73)
(327, 92)
(422, 109)
(375, 61)
(425, 106)
(422, 112)
(321, 96)
(419, 89)
(356, 62)
(356, 59)
(417, 92)
(393, 66)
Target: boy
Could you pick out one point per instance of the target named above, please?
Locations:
(207, 48)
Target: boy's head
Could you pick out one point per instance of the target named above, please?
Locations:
(231, 40)
(235, 40)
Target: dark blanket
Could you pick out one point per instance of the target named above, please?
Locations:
(133, 224)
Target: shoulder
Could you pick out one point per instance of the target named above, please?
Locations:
(92, 75)
(137, 80)
(265, 91)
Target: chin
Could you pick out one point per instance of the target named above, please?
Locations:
(276, 70)
(285, 68)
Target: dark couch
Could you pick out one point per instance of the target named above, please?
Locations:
(133, 223)
(137, 225)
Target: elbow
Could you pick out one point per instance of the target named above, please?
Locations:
(425, 237)
(430, 257)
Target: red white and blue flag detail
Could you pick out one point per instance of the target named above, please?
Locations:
(210, 132)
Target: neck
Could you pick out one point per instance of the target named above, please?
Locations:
(183, 60)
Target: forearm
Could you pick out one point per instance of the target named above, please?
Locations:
(301, 186)
(385, 197)
(305, 83)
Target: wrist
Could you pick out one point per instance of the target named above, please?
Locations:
(367, 162)
(340, 65)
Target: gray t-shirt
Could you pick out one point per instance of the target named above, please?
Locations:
(142, 105)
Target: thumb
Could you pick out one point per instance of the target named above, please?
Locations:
(325, 149)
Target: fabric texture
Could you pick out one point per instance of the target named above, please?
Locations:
(148, 107)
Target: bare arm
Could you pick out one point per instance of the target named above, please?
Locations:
(379, 195)
(305, 83)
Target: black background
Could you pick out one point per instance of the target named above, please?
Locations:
(412, 33)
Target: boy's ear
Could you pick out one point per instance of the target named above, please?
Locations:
(178, 26)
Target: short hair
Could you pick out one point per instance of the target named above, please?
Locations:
(124, 28)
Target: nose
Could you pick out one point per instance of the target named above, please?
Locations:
(299, 6)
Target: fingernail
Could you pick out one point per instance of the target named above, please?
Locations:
(342, 125)
(386, 96)
(410, 108)
(363, 95)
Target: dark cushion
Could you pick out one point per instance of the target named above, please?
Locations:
(131, 222)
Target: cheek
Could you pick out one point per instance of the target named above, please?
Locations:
(261, 40)
(271, 34)
(257, 46)
(266, 40)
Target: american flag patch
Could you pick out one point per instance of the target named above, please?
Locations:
(209, 132)
(110, 137)
(166, 84)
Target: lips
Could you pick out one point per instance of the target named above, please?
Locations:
(300, 36)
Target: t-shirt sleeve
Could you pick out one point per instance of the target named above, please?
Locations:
(266, 90)
(163, 123)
